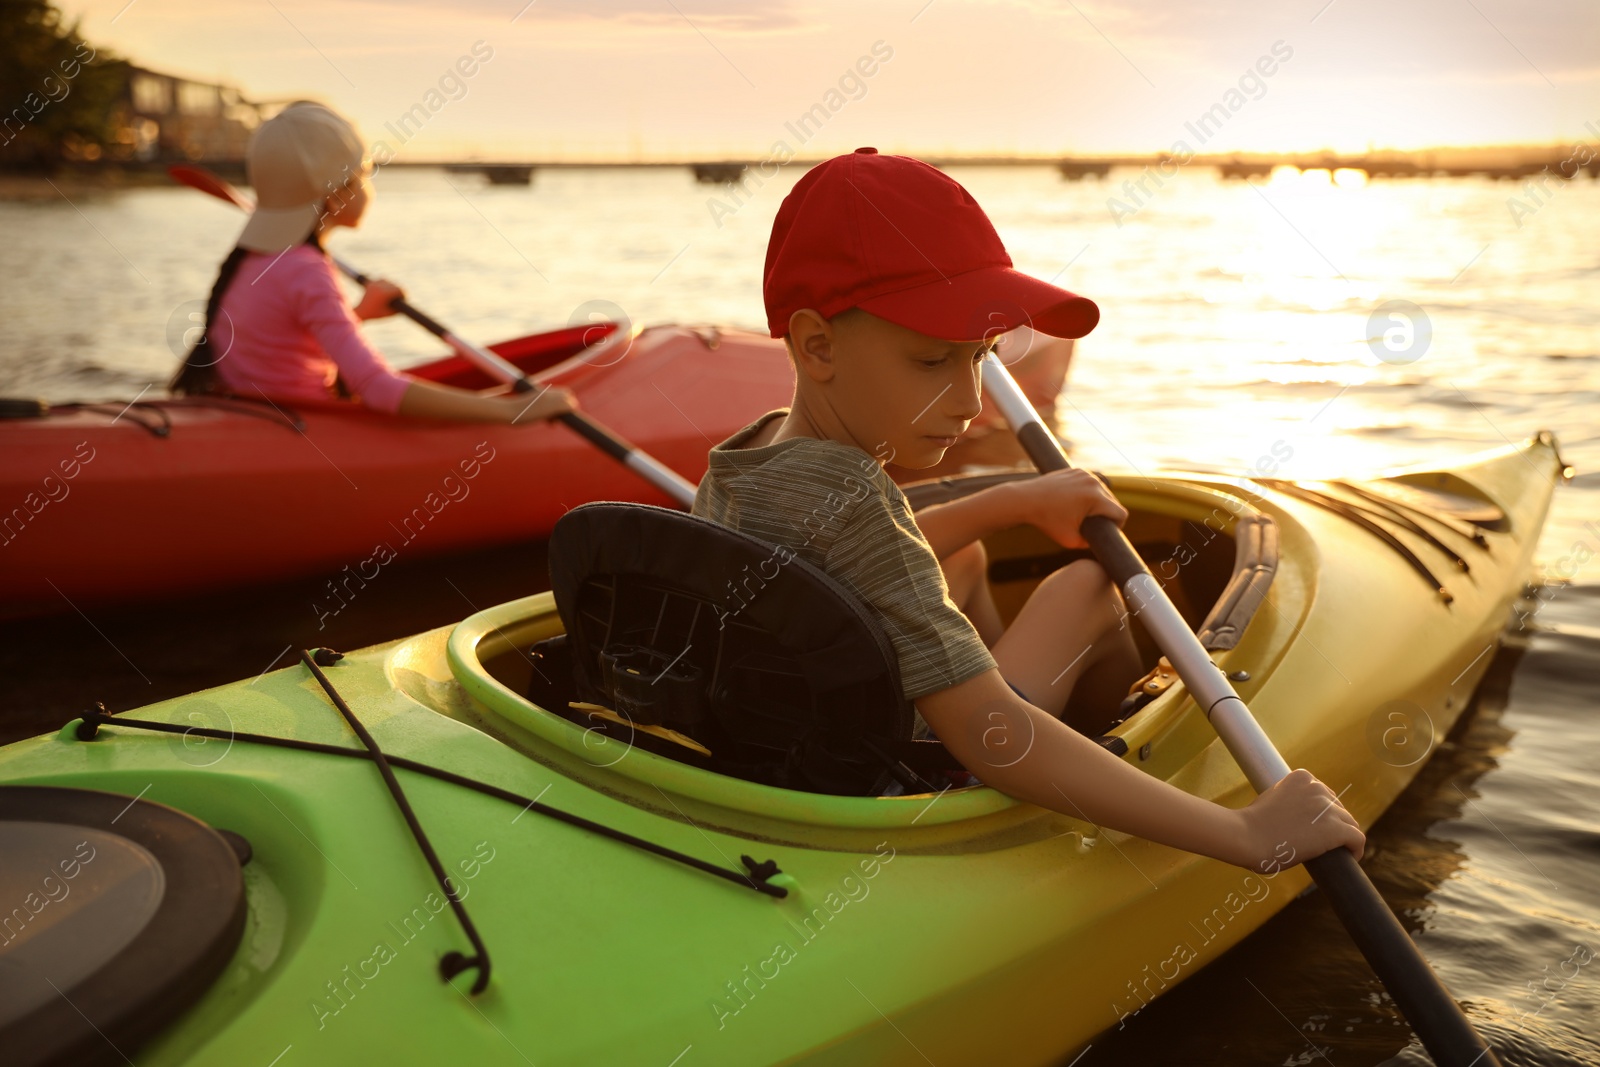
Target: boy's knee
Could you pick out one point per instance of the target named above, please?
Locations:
(971, 560)
(1081, 579)
(1084, 585)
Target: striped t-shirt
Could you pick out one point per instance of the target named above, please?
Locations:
(837, 509)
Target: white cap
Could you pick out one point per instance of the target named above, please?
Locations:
(297, 159)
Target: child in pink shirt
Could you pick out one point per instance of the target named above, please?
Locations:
(286, 332)
(277, 323)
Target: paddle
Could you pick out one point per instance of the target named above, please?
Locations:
(652, 470)
(1433, 1014)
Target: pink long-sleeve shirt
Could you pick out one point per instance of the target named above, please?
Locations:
(287, 332)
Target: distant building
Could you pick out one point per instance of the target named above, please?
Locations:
(161, 118)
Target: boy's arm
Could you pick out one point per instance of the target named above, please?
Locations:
(1056, 503)
(954, 525)
(1028, 754)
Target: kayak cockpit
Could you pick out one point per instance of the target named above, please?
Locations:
(1212, 550)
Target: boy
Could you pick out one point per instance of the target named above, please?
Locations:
(888, 284)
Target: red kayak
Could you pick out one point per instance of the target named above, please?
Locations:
(105, 503)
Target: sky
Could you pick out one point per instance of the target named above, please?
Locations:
(640, 80)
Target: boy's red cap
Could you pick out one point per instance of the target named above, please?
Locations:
(904, 241)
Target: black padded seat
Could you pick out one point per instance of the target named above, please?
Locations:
(675, 623)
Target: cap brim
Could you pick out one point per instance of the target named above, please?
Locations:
(271, 230)
(983, 303)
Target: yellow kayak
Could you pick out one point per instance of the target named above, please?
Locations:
(1355, 617)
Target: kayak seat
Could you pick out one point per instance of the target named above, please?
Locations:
(698, 642)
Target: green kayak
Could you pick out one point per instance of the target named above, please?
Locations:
(617, 905)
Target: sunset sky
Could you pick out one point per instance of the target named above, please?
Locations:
(676, 79)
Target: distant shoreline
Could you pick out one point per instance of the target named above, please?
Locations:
(1501, 162)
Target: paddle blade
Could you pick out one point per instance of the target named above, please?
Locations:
(203, 180)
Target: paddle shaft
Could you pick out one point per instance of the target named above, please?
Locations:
(652, 470)
(1433, 1014)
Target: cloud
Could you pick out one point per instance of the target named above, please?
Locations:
(727, 16)
(720, 16)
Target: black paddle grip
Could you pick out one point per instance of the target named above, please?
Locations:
(1042, 448)
(1435, 1017)
(597, 435)
(23, 408)
(1111, 547)
(421, 318)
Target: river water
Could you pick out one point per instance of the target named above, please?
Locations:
(1325, 326)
